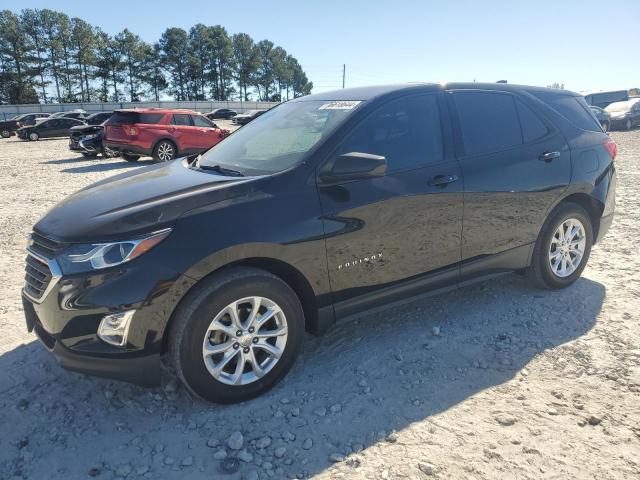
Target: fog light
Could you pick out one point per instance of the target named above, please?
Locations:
(114, 328)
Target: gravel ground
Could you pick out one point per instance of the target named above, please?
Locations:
(499, 380)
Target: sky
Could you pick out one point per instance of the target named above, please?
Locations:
(586, 45)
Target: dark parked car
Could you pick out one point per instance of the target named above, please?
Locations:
(8, 127)
(221, 113)
(98, 118)
(77, 114)
(246, 117)
(624, 115)
(326, 206)
(603, 117)
(48, 128)
(602, 99)
(87, 139)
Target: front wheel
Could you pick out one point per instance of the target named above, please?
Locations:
(5, 133)
(628, 125)
(164, 151)
(236, 335)
(563, 247)
(33, 136)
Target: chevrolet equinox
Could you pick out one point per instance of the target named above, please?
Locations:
(323, 207)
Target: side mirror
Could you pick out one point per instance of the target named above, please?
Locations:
(355, 166)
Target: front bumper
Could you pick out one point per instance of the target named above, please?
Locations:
(142, 370)
(84, 146)
(67, 317)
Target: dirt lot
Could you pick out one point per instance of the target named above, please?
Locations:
(499, 380)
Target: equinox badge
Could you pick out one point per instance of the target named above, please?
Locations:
(359, 261)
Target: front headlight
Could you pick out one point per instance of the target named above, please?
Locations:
(95, 256)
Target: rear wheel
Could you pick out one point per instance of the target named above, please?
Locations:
(563, 247)
(236, 335)
(130, 157)
(34, 136)
(164, 151)
(5, 133)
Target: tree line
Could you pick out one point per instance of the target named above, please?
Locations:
(46, 56)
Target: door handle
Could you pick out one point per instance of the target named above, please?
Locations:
(442, 180)
(548, 156)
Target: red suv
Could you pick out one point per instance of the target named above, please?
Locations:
(162, 134)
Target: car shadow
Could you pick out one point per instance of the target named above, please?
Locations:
(99, 164)
(367, 377)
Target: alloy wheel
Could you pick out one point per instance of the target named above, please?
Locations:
(245, 341)
(34, 136)
(165, 152)
(567, 247)
(5, 133)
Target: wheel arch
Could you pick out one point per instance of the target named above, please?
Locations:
(281, 269)
(169, 139)
(593, 206)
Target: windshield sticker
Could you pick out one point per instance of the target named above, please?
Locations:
(343, 105)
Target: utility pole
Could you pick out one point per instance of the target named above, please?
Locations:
(344, 69)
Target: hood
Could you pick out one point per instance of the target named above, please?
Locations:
(88, 128)
(149, 198)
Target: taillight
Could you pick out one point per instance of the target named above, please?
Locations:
(611, 147)
(130, 130)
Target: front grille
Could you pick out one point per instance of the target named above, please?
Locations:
(37, 276)
(46, 246)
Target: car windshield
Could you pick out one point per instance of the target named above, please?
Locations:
(280, 138)
(619, 107)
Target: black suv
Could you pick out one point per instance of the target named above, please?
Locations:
(323, 207)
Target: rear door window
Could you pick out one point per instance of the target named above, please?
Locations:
(406, 132)
(573, 108)
(532, 127)
(489, 121)
(181, 119)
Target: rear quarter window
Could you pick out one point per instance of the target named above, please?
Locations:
(573, 108)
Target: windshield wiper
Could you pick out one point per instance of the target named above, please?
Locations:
(221, 171)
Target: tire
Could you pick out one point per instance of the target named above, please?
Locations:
(606, 127)
(164, 151)
(5, 133)
(191, 330)
(130, 157)
(549, 273)
(628, 125)
(34, 136)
